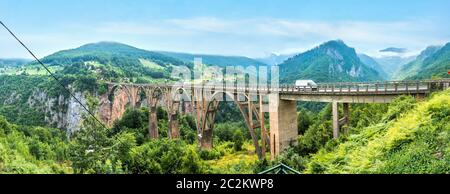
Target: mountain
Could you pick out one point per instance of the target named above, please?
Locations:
(114, 61)
(275, 59)
(435, 65)
(369, 61)
(414, 67)
(391, 64)
(332, 61)
(219, 60)
(13, 62)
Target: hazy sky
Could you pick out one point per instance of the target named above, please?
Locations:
(252, 28)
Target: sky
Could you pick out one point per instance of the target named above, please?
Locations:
(253, 28)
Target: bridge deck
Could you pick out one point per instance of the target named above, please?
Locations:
(325, 92)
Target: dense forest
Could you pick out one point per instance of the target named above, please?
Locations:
(406, 136)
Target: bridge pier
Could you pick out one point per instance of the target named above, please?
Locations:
(283, 124)
(338, 122)
(206, 142)
(335, 115)
(346, 119)
(153, 123)
(173, 126)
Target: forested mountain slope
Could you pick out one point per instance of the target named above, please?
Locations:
(332, 61)
(414, 67)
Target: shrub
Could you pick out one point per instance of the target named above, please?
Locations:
(291, 158)
(399, 106)
(188, 129)
(210, 154)
(164, 157)
(304, 120)
(238, 139)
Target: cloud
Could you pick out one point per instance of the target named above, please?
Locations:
(394, 50)
(252, 37)
(132, 28)
(397, 32)
(208, 24)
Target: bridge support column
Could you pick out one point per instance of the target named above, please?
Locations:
(337, 123)
(206, 142)
(335, 113)
(174, 131)
(346, 118)
(206, 116)
(153, 124)
(283, 124)
(263, 128)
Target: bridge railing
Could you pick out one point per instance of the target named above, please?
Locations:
(372, 87)
(386, 87)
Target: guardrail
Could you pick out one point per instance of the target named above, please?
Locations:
(387, 87)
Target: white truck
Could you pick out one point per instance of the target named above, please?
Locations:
(306, 85)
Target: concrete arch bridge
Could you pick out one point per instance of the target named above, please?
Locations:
(280, 102)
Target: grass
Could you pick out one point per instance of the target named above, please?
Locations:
(387, 146)
(240, 162)
(151, 64)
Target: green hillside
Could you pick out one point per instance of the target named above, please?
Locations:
(112, 61)
(411, 138)
(414, 67)
(331, 61)
(37, 150)
(436, 65)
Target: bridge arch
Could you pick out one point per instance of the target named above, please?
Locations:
(174, 99)
(118, 87)
(139, 95)
(248, 111)
(180, 93)
(119, 98)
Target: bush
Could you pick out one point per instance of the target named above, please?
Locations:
(261, 165)
(92, 151)
(225, 131)
(399, 106)
(30, 152)
(304, 120)
(5, 127)
(291, 158)
(314, 138)
(164, 157)
(188, 129)
(210, 154)
(41, 151)
(133, 121)
(238, 139)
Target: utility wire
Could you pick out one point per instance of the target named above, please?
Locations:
(52, 75)
(62, 85)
